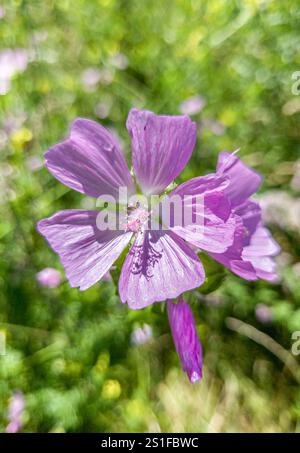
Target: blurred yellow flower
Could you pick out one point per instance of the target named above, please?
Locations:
(20, 137)
(111, 389)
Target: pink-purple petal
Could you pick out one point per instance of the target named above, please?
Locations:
(159, 266)
(250, 213)
(212, 226)
(243, 180)
(85, 252)
(251, 255)
(260, 252)
(243, 269)
(215, 236)
(210, 191)
(262, 243)
(90, 161)
(185, 338)
(161, 147)
(232, 257)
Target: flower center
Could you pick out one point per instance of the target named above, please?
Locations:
(136, 218)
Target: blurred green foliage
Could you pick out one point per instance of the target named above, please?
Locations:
(70, 352)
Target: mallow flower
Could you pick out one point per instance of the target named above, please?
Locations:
(161, 226)
(251, 254)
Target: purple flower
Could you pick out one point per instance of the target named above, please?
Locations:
(49, 277)
(251, 254)
(160, 264)
(185, 338)
(15, 413)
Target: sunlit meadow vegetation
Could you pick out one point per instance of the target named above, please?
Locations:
(82, 360)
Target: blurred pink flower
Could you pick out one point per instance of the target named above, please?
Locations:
(263, 313)
(9, 124)
(90, 78)
(11, 62)
(13, 122)
(15, 411)
(192, 105)
(141, 335)
(49, 277)
(103, 108)
(119, 61)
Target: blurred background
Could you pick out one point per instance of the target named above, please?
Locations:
(81, 361)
